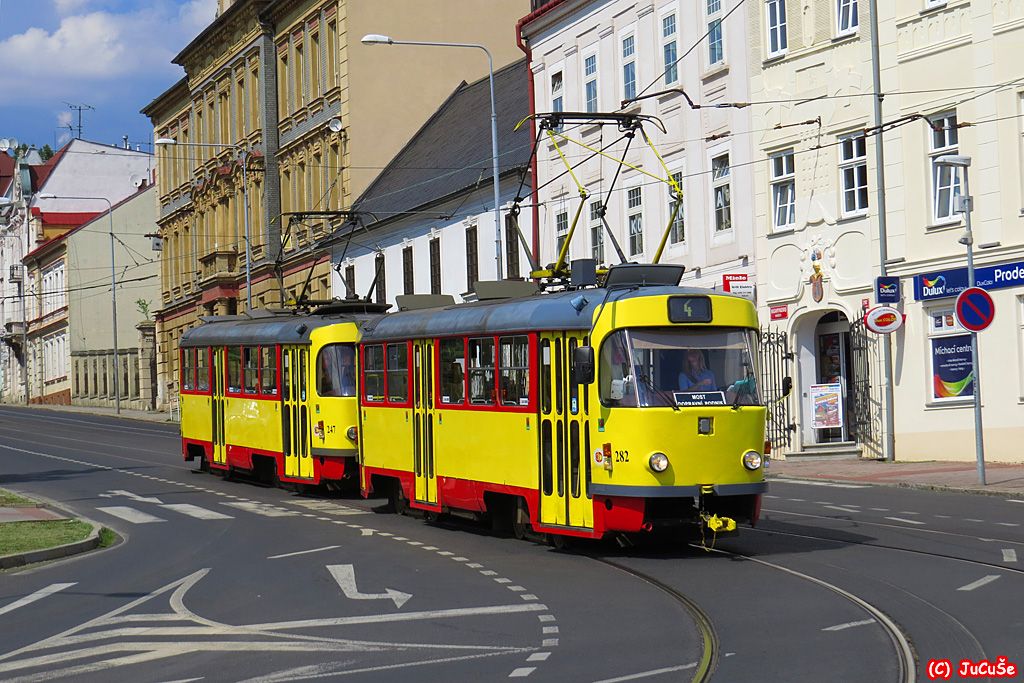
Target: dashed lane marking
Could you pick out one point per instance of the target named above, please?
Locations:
(648, 674)
(905, 521)
(522, 672)
(849, 624)
(1009, 555)
(840, 509)
(130, 514)
(303, 552)
(832, 484)
(262, 509)
(979, 583)
(38, 595)
(538, 657)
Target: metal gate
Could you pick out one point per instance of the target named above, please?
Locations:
(865, 405)
(776, 363)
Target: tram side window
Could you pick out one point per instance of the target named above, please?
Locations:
(336, 371)
(481, 371)
(398, 373)
(515, 370)
(202, 370)
(615, 375)
(373, 373)
(250, 361)
(268, 371)
(188, 369)
(453, 371)
(234, 369)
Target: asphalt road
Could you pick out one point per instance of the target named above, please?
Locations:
(229, 581)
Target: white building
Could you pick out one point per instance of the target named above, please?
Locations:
(952, 74)
(428, 218)
(591, 55)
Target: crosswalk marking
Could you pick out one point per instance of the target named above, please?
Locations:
(979, 583)
(328, 508)
(195, 511)
(130, 514)
(262, 509)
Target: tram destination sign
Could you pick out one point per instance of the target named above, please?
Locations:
(942, 284)
(689, 309)
(699, 398)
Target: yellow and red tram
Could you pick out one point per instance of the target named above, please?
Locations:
(273, 395)
(492, 409)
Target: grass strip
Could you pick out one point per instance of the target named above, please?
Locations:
(11, 500)
(19, 537)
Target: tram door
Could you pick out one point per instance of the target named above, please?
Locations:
(220, 451)
(564, 435)
(424, 418)
(295, 412)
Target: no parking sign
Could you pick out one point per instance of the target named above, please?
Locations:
(975, 309)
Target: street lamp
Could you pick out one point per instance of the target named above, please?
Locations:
(244, 153)
(4, 201)
(964, 204)
(113, 290)
(377, 39)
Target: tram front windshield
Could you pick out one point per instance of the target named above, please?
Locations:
(658, 367)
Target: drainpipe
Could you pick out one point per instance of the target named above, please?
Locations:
(889, 436)
(520, 25)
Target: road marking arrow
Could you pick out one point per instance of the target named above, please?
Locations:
(345, 575)
(133, 496)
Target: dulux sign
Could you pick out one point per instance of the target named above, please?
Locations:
(943, 284)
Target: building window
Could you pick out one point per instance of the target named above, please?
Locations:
(945, 179)
(853, 169)
(561, 231)
(435, 266)
(511, 248)
(350, 280)
(590, 82)
(783, 190)
(777, 40)
(1020, 342)
(949, 348)
(628, 68)
(556, 92)
(669, 51)
(596, 232)
(635, 220)
(721, 193)
(716, 46)
(408, 286)
(472, 259)
(846, 17)
(380, 276)
(677, 234)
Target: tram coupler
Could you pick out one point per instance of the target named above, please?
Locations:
(718, 524)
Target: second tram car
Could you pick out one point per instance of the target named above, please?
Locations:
(499, 408)
(274, 395)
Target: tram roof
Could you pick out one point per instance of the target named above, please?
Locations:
(277, 329)
(537, 312)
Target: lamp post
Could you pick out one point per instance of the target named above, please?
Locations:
(377, 39)
(113, 291)
(964, 204)
(4, 201)
(244, 153)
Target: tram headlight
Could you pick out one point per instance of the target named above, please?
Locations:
(658, 462)
(752, 460)
(353, 434)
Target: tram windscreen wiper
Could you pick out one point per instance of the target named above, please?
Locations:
(663, 393)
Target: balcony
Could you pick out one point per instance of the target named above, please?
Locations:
(218, 265)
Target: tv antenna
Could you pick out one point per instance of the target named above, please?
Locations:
(79, 108)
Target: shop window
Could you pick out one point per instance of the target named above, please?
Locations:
(398, 373)
(949, 350)
(373, 373)
(453, 371)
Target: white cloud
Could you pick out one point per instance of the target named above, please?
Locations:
(63, 118)
(65, 7)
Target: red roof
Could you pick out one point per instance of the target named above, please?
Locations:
(72, 218)
(40, 173)
(6, 171)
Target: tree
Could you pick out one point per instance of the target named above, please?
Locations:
(46, 153)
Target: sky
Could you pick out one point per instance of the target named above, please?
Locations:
(113, 55)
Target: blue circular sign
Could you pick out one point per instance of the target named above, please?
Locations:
(975, 309)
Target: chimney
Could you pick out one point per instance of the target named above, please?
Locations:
(125, 139)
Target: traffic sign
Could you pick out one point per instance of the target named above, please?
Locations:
(975, 309)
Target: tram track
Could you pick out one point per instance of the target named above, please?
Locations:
(710, 645)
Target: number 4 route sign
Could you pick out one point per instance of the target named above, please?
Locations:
(975, 309)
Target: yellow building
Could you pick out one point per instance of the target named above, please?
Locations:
(283, 94)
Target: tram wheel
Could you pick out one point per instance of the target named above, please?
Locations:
(558, 541)
(430, 517)
(399, 503)
(520, 520)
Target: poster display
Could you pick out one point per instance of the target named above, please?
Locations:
(827, 405)
(951, 367)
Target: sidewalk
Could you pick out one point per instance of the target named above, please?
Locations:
(147, 415)
(1001, 478)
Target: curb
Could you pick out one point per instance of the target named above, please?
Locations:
(921, 486)
(66, 550)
